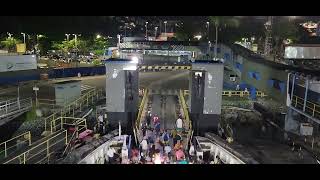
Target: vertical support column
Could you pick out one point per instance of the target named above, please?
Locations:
(306, 95)
(66, 137)
(61, 126)
(292, 87)
(92, 99)
(18, 102)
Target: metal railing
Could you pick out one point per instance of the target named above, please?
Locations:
(80, 124)
(47, 102)
(311, 108)
(138, 120)
(42, 151)
(186, 115)
(235, 93)
(72, 107)
(12, 144)
(13, 106)
(164, 67)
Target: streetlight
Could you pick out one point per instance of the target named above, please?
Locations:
(146, 30)
(216, 43)
(208, 23)
(155, 32)
(165, 27)
(98, 36)
(38, 36)
(67, 36)
(9, 34)
(75, 39)
(24, 38)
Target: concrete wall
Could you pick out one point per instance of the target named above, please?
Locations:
(67, 92)
(115, 87)
(265, 71)
(17, 62)
(213, 86)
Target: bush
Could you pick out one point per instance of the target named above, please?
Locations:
(96, 62)
(31, 115)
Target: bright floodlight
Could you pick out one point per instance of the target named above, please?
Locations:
(98, 36)
(198, 37)
(135, 59)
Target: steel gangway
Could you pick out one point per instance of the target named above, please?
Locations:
(13, 108)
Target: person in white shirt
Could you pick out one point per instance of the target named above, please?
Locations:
(179, 124)
(100, 118)
(167, 149)
(144, 146)
(191, 152)
(110, 154)
(238, 87)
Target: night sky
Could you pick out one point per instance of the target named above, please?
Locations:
(57, 24)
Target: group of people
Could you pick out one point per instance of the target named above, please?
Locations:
(159, 146)
(162, 146)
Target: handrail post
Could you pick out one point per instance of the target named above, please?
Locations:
(48, 147)
(306, 95)
(6, 107)
(24, 158)
(66, 137)
(29, 133)
(61, 123)
(45, 124)
(292, 86)
(87, 101)
(314, 108)
(5, 149)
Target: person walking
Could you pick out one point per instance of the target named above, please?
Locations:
(166, 137)
(148, 118)
(111, 155)
(191, 152)
(179, 124)
(144, 146)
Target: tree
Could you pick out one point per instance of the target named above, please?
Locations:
(186, 30)
(99, 45)
(283, 29)
(10, 43)
(222, 22)
(72, 46)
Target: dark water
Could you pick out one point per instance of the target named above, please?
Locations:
(8, 129)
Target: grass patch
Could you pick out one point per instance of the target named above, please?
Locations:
(31, 115)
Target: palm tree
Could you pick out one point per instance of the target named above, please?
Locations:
(223, 22)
